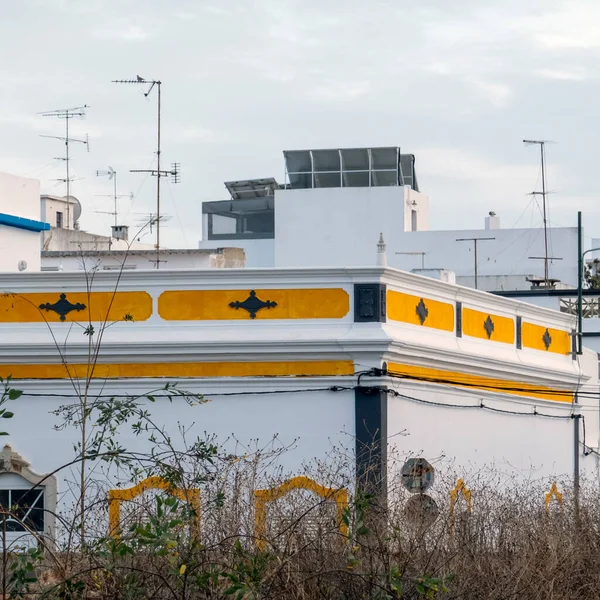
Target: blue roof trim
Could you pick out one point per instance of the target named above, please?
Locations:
(21, 223)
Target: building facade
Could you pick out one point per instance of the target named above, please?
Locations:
(20, 224)
(378, 363)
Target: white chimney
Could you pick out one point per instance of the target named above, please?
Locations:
(120, 232)
(492, 221)
(381, 255)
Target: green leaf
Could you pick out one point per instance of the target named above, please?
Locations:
(14, 394)
(8, 415)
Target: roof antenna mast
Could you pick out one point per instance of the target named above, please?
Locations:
(67, 114)
(542, 145)
(174, 172)
(112, 175)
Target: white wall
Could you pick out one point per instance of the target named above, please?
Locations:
(508, 254)
(19, 197)
(239, 423)
(224, 258)
(341, 226)
(50, 205)
(259, 253)
(335, 226)
(16, 245)
(469, 441)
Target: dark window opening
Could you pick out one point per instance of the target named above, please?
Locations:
(59, 220)
(240, 219)
(23, 509)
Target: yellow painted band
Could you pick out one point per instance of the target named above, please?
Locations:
(405, 308)
(99, 306)
(490, 384)
(502, 329)
(532, 336)
(179, 369)
(208, 305)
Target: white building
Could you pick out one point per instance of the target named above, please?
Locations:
(20, 224)
(116, 260)
(66, 247)
(355, 357)
(334, 203)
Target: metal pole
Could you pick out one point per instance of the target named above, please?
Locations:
(475, 240)
(158, 186)
(546, 274)
(579, 286)
(576, 486)
(475, 253)
(68, 175)
(115, 189)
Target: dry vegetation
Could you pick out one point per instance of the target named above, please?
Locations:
(507, 547)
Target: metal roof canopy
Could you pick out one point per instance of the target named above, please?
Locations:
(252, 188)
(350, 167)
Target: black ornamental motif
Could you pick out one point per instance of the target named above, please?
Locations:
(63, 307)
(547, 339)
(488, 325)
(252, 304)
(422, 311)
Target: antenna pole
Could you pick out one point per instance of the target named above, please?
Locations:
(543, 158)
(475, 240)
(68, 174)
(115, 191)
(542, 144)
(67, 114)
(158, 184)
(158, 173)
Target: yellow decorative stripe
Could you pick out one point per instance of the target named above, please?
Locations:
(115, 497)
(490, 384)
(476, 324)
(99, 306)
(420, 311)
(209, 305)
(179, 369)
(534, 336)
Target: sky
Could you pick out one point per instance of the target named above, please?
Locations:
(459, 84)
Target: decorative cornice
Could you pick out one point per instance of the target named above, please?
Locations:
(283, 277)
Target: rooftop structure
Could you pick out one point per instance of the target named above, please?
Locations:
(349, 167)
(334, 202)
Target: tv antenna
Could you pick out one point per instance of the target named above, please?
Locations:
(112, 175)
(475, 240)
(67, 114)
(158, 173)
(543, 193)
(151, 220)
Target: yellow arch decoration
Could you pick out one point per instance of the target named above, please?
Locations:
(115, 497)
(553, 492)
(459, 488)
(262, 497)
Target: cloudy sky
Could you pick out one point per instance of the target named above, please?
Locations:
(458, 84)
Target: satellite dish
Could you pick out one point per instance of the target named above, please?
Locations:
(76, 207)
(22, 265)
